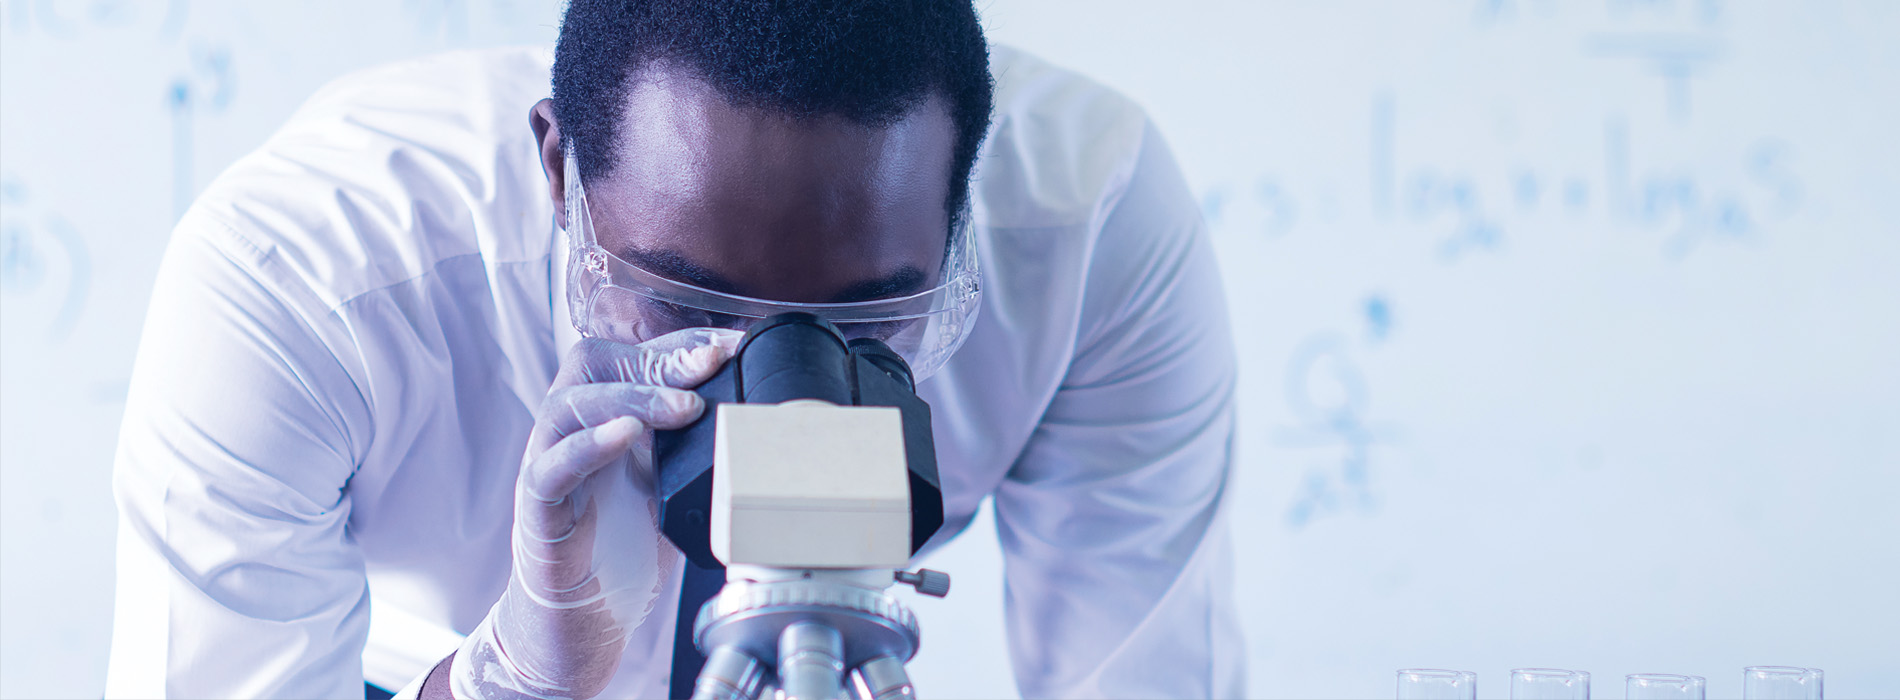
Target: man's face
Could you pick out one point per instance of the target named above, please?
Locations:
(750, 202)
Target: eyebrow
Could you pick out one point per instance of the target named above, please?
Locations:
(906, 280)
(665, 263)
(676, 267)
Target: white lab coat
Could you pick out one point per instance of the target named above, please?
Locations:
(352, 326)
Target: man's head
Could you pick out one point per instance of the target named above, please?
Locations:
(797, 150)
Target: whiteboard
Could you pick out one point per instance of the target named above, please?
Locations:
(1567, 328)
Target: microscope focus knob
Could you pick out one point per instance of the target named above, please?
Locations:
(931, 583)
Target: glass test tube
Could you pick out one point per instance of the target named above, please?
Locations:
(1663, 686)
(1549, 684)
(1781, 683)
(1437, 684)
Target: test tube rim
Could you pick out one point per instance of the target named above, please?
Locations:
(1552, 672)
(1790, 670)
(1439, 673)
(1691, 680)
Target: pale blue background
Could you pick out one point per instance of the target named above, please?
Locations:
(1569, 329)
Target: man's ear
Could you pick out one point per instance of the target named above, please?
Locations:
(547, 135)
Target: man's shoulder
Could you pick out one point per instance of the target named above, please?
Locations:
(384, 174)
(1060, 146)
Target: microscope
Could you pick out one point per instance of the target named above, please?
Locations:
(812, 479)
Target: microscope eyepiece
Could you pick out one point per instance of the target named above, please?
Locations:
(790, 357)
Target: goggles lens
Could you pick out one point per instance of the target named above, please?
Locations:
(613, 299)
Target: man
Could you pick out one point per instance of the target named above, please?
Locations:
(356, 330)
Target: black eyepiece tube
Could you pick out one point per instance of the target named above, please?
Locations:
(884, 358)
(793, 356)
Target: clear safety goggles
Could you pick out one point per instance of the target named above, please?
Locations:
(613, 299)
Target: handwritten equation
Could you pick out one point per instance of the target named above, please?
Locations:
(1611, 172)
(43, 259)
(1472, 211)
(1477, 210)
(1330, 399)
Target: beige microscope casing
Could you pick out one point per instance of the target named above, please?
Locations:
(809, 484)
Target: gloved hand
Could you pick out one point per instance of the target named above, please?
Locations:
(589, 559)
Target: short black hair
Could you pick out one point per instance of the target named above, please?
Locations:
(871, 61)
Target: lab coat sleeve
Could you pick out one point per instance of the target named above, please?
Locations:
(237, 573)
(1117, 557)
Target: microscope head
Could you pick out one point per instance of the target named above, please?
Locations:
(813, 452)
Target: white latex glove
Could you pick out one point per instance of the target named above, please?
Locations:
(589, 559)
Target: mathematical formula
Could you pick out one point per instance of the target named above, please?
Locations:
(1473, 211)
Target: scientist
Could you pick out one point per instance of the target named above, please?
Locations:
(388, 414)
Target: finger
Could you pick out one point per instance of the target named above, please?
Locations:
(679, 359)
(555, 543)
(683, 358)
(726, 338)
(554, 474)
(576, 408)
